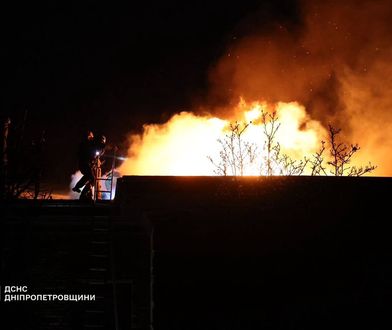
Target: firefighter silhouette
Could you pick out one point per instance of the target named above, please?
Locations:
(90, 150)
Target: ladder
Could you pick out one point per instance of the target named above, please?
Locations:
(104, 184)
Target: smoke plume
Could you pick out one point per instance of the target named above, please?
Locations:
(334, 64)
(337, 62)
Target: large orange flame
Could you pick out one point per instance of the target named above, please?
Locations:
(182, 145)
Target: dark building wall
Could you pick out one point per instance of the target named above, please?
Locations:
(224, 253)
(59, 247)
(276, 253)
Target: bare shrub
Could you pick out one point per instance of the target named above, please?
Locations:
(235, 154)
(342, 154)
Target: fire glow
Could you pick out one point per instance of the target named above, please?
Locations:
(330, 63)
(183, 144)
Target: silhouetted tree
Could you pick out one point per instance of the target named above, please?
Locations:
(22, 164)
(270, 127)
(286, 165)
(317, 161)
(235, 154)
(342, 154)
(274, 162)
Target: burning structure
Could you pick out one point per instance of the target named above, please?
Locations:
(327, 68)
(210, 252)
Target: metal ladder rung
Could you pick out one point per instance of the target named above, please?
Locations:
(109, 178)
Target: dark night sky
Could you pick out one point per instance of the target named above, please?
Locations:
(112, 67)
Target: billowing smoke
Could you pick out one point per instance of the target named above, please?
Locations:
(334, 64)
(337, 62)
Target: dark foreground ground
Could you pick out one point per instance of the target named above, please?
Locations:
(270, 253)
